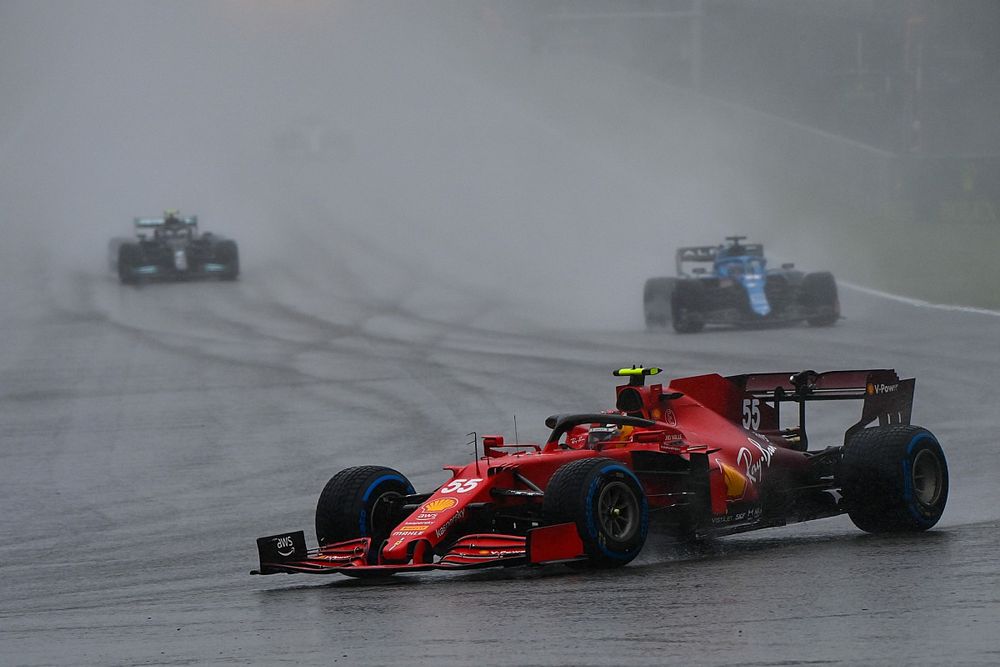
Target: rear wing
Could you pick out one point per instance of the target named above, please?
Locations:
(146, 223)
(709, 253)
(695, 254)
(886, 397)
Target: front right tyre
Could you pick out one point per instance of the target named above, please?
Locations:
(608, 505)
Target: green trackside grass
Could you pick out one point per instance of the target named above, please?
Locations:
(953, 261)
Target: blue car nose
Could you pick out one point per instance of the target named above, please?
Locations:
(754, 285)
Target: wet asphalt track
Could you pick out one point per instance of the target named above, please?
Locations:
(149, 435)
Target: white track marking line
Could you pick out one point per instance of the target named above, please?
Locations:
(920, 303)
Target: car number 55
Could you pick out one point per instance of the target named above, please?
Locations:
(460, 485)
(751, 413)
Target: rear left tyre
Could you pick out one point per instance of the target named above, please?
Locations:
(894, 479)
(608, 505)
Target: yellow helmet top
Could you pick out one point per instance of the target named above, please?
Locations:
(635, 371)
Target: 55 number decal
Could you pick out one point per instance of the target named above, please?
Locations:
(751, 413)
(460, 485)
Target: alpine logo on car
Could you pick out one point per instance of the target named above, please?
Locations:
(589, 500)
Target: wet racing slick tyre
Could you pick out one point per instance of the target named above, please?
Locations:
(129, 257)
(687, 306)
(357, 502)
(656, 297)
(606, 502)
(819, 297)
(227, 252)
(894, 479)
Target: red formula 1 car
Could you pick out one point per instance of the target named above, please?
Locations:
(704, 456)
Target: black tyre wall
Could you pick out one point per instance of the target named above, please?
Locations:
(877, 479)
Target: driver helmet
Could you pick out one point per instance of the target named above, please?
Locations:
(602, 433)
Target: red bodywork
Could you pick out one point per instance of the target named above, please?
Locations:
(712, 458)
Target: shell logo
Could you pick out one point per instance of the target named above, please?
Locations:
(440, 505)
(870, 389)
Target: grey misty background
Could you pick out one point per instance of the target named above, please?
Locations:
(546, 155)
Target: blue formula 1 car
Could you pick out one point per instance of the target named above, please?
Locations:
(171, 248)
(737, 290)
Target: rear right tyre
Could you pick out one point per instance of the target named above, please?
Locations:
(608, 505)
(894, 479)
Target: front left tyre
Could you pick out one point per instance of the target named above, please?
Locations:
(608, 505)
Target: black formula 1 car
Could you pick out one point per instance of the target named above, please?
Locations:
(738, 289)
(703, 456)
(170, 248)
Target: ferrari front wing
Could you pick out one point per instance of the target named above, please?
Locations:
(287, 552)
